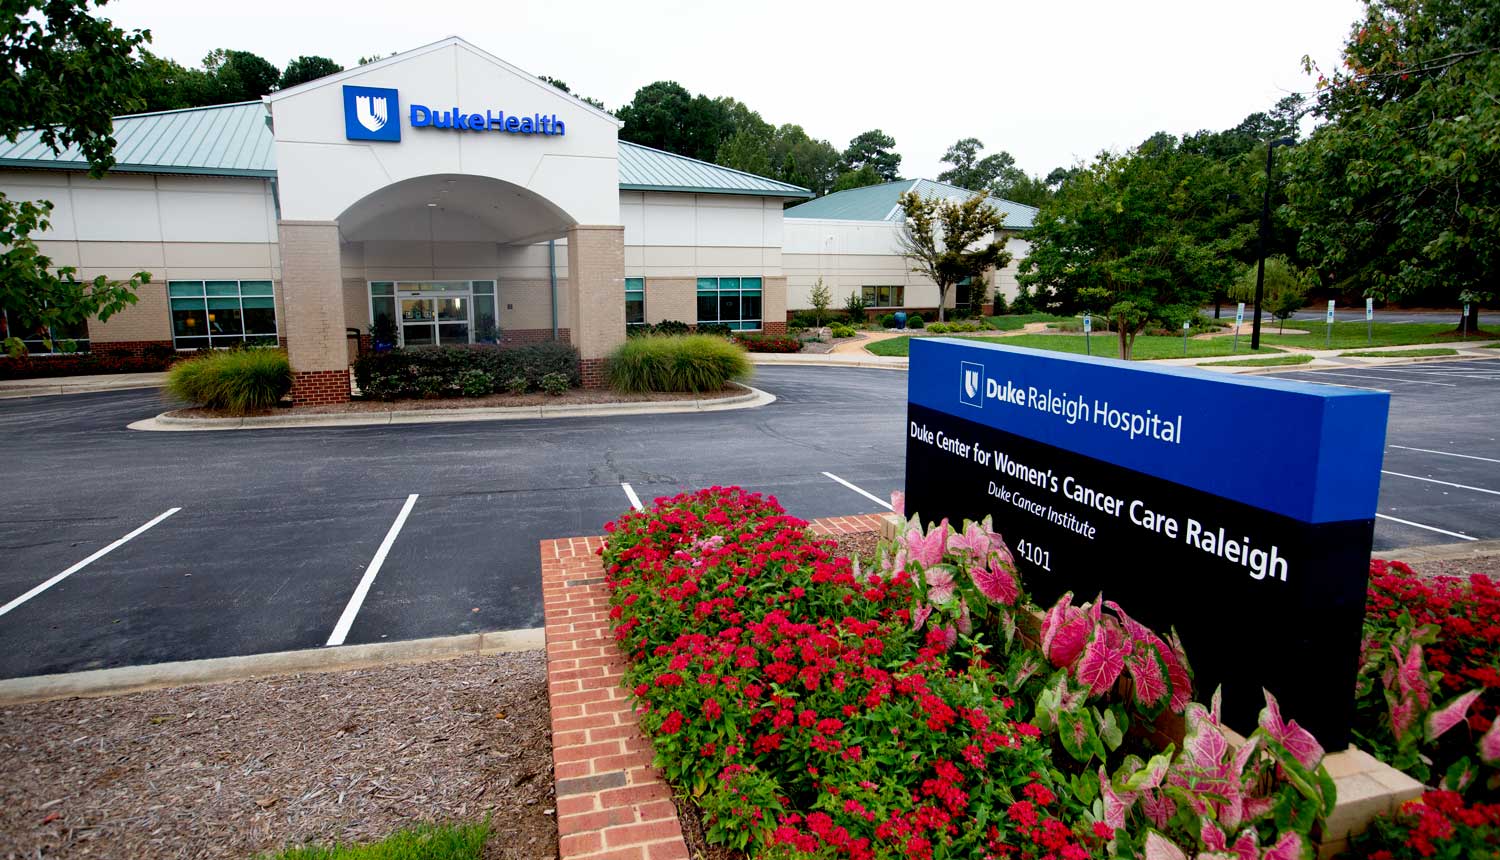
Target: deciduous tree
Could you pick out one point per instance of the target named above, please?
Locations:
(876, 150)
(948, 241)
(305, 68)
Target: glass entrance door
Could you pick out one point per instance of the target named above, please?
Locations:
(435, 312)
(418, 322)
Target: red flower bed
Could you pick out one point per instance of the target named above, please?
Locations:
(791, 697)
(768, 343)
(1437, 825)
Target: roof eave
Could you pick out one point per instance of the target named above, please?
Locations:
(82, 167)
(743, 192)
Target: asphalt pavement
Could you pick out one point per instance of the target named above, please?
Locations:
(208, 544)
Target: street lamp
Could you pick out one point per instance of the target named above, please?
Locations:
(1265, 228)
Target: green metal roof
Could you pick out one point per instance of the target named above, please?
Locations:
(222, 140)
(882, 203)
(645, 169)
(234, 140)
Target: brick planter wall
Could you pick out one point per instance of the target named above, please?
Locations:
(611, 804)
(311, 387)
(592, 370)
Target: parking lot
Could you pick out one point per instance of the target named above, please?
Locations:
(174, 546)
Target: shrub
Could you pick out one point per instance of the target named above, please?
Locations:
(475, 383)
(855, 306)
(677, 363)
(1438, 824)
(809, 319)
(915, 321)
(940, 328)
(516, 385)
(887, 320)
(719, 329)
(840, 330)
(234, 381)
(555, 384)
(672, 327)
(768, 342)
(394, 374)
(430, 386)
(999, 304)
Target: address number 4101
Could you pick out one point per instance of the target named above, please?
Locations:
(1035, 554)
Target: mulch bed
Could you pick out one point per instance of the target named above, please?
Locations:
(1485, 564)
(572, 397)
(235, 769)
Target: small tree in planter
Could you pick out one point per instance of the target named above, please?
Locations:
(855, 306)
(820, 298)
(947, 241)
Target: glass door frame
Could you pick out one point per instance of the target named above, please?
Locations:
(412, 290)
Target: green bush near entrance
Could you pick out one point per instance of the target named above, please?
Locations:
(237, 381)
(453, 371)
(424, 842)
(695, 363)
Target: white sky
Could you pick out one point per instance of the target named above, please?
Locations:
(1051, 81)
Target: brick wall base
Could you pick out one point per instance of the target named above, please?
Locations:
(525, 336)
(774, 328)
(593, 371)
(135, 348)
(609, 797)
(313, 387)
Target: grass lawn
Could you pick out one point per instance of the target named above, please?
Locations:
(1351, 335)
(1012, 322)
(427, 842)
(1271, 361)
(1106, 346)
(1386, 353)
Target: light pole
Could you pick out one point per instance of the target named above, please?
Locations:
(1265, 228)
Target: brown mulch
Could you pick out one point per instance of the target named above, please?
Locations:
(861, 545)
(235, 769)
(1486, 564)
(572, 397)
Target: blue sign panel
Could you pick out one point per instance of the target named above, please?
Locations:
(1239, 510)
(372, 113)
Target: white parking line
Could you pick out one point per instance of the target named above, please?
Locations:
(86, 562)
(1471, 375)
(1389, 379)
(1429, 528)
(635, 501)
(1446, 453)
(871, 496)
(357, 600)
(1444, 483)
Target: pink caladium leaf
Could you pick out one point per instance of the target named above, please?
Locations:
(1158, 807)
(1065, 630)
(1247, 847)
(1297, 740)
(1148, 677)
(1204, 746)
(1449, 715)
(948, 636)
(898, 503)
(973, 540)
(1103, 658)
(1489, 745)
(1159, 847)
(1411, 677)
(1257, 808)
(927, 550)
(1179, 673)
(1212, 837)
(1116, 805)
(995, 582)
(940, 584)
(965, 622)
(1288, 847)
(1403, 713)
(919, 615)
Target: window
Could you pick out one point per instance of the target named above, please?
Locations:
(885, 297)
(635, 301)
(222, 313)
(36, 340)
(735, 302)
(424, 313)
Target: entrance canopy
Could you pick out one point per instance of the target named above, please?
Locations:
(454, 208)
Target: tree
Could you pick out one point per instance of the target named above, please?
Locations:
(75, 72)
(1397, 194)
(1285, 287)
(970, 171)
(873, 149)
(857, 179)
(820, 298)
(948, 241)
(801, 160)
(305, 68)
(1027, 189)
(1135, 237)
(564, 87)
(168, 85)
(240, 76)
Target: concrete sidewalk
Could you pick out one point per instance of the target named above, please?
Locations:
(80, 384)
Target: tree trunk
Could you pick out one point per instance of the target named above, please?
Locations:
(1126, 342)
(1469, 323)
(942, 300)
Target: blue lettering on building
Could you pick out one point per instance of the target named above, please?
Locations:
(423, 116)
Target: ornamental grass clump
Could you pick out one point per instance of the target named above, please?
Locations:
(236, 381)
(689, 363)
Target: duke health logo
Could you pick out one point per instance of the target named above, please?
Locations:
(372, 113)
(971, 390)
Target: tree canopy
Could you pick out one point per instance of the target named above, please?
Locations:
(1397, 194)
(76, 71)
(305, 68)
(947, 241)
(876, 150)
(995, 174)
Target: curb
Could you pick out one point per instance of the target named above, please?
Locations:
(1439, 552)
(55, 390)
(168, 423)
(873, 362)
(217, 670)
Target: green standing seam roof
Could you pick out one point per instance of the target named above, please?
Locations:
(235, 140)
(882, 203)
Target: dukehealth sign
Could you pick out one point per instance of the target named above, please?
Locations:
(1239, 510)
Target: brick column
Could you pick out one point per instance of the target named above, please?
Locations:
(596, 296)
(313, 296)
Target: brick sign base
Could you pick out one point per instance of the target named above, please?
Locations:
(611, 803)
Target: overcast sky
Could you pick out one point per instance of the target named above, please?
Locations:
(1051, 81)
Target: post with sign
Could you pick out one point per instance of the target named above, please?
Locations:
(1110, 476)
(1239, 317)
(1328, 338)
(1184, 338)
(1369, 322)
(1088, 326)
(1464, 326)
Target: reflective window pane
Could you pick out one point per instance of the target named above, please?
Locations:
(184, 288)
(635, 310)
(223, 288)
(382, 288)
(190, 342)
(708, 307)
(224, 317)
(484, 288)
(486, 326)
(729, 305)
(417, 335)
(255, 288)
(453, 333)
(869, 295)
(413, 310)
(260, 315)
(382, 311)
(453, 310)
(750, 309)
(189, 319)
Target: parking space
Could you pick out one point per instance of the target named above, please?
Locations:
(275, 536)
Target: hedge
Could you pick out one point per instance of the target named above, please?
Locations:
(441, 371)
